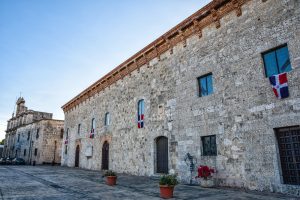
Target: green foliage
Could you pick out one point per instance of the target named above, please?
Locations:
(110, 173)
(2, 142)
(170, 180)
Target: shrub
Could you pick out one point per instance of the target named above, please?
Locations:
(205, 172)
(170, 180)
(110, 173)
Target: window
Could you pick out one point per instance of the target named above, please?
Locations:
(37, 133)
(28, 135)
(18, 137)
(61, 133)
(93, 126)
(141, 111)
(67, 134)
(288, 139)
(35, 151)
(24, 152)
(277, 61)
(78, 130)
(209, 145)
(205, 85)
(107, 119)
(66, 149)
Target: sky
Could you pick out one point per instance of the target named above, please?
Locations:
(51, 50)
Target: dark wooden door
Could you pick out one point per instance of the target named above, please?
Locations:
(77, 156)
(105, 155)
(289, 151)
(162, 155)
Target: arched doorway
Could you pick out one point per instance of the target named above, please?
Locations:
(105, 155)
(77, 156)
(162, 155)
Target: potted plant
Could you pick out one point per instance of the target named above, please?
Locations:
(205, 175)
(111, 177)
(167, 184)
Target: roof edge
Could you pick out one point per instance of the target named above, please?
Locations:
(211, 13)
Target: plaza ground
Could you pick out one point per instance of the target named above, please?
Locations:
(47, 182)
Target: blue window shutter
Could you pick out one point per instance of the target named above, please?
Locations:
(209, 85)
(270, 64)
(203, 86)
(283, 60)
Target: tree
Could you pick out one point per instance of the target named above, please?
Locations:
(2, 142)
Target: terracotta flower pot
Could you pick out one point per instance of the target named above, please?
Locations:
(111, 180)
(166, 191)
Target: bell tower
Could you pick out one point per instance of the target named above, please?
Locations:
(20, 106)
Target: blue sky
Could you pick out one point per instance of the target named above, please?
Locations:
(51, 50)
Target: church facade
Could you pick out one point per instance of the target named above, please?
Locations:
(33, 136)
(202, 88)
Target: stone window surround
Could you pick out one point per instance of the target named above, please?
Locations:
(202, 145)
(274, 49)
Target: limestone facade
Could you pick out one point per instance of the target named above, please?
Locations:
(242, 112)
(33, 136)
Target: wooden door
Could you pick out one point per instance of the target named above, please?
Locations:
(105, 155)
(77, 156)
(162, 155)
(289, 151)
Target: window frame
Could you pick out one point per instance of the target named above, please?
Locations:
(28, 135)
(93, 125)
(78, 129)
(204, 152)
(107, 119)
(274, 49)
(35, 151)
(141, 111)
(199, 84)
(37, 134)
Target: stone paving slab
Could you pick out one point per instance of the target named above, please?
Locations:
(47, 182)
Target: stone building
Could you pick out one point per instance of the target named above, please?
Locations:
(33, 136)
(201, 88)
(1, 149)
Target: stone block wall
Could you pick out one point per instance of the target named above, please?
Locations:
(45, 137)
(242, 111)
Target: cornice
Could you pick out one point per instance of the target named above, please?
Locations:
(193, 25)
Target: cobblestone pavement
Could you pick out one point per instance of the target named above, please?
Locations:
(47, 182)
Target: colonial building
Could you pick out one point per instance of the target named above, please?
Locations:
(201, 88)
(33, 136)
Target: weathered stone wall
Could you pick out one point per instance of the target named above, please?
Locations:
(242, 111)
(47, 142)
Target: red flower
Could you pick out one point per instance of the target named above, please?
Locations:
(204, 172)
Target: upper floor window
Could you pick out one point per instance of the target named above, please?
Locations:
(277, 61)
(37, 133)
(18, 137)
(205, 85)
(107, 119)
(35, 151)
(24, 152)
(93, 125)
(67, 134)
(209, 145)
(61, 133)
(28, 135)
(78, 129)
(141, 112)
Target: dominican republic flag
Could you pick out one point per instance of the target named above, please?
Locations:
(141, 121)
(279, 83)
(92, 134)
